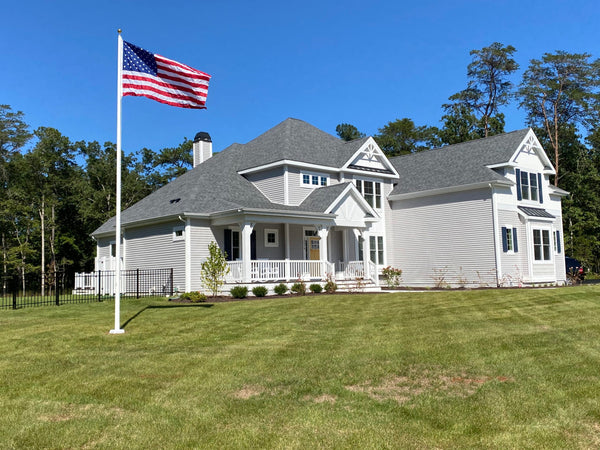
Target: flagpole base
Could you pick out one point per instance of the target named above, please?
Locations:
(119, 331)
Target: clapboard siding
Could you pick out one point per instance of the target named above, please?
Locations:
(270, 183)
(514, 266)
(104, 247)
(201, 235)
(152, 247)
(262, 252)
(447, 237)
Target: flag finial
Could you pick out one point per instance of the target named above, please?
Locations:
(119, 31)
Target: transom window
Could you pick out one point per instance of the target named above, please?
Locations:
(371, 191)
(309, 179)
(541, 245)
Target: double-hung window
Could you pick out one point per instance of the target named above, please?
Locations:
(371, 191)
(541, 245)
(509, 240)
(529, 186)
(376, 249)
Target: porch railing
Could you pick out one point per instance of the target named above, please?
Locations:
(287, 270)
(275, 270)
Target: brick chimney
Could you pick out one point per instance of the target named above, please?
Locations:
(202, 147)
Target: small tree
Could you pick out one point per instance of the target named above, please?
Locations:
(214, 269)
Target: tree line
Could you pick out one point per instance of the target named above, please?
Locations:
(560, 94)
(55, 192)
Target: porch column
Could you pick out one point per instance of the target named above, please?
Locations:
(287, 250)
(366, 254)
(323, 233)
(247, 228)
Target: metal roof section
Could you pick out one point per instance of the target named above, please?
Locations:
(536, 212)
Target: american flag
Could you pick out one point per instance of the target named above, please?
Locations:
(164, 80)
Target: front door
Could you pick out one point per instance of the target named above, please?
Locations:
(313, 248)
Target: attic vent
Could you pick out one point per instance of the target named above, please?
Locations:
(175, 200)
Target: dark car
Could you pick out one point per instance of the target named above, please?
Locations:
(575, 272)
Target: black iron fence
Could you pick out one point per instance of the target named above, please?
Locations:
(58, 288)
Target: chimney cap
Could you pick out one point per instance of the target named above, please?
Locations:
(202, 136)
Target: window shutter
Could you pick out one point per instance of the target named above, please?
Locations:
(558, 241)
(253, 245)
(504, 242)
(227, 244)
(540, 192)
(515, 243)
(518, 173)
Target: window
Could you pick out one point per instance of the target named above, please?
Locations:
(371, 191)
(533, 186)
(376, 249)
(178, 233)
(235, 245)
(529, 186)
(312, 179)
(509, 240)
(524, 185)
(541, 245)
(113, 249)
(271, 237)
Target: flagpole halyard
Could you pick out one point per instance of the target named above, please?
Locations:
(117, 329)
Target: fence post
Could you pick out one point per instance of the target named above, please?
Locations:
(99, 285)
(14, 291)
(137, 283)
(56, 288)
(171, 294)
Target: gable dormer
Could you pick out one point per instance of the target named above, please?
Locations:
(369, 158)
(532, 169)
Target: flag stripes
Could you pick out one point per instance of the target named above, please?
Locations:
(162, 79)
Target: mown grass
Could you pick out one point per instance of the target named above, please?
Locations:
(468, 369)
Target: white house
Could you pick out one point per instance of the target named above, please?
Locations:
(296, 202)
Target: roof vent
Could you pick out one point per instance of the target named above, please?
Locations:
(175, 200)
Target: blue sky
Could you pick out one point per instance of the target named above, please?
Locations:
(325, 62)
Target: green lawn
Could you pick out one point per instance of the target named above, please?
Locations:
(463, 369)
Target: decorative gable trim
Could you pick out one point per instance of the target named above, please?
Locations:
(371, 151)
(529, 143)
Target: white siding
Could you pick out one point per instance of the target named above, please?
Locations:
(201, 236)
(270, 183)
(448, 236)
(104, 247)
(514, 266)
(152, 247)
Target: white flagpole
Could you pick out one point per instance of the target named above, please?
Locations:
(118, 329)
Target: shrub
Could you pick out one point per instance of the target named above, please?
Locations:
(280, 289)
(214, 269)
(194, 297)
(299, 288)
(392, 276)
(330, 287)
(260, 291)
(315, 288)
(239, 292)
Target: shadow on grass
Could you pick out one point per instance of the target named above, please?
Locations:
(195, 305)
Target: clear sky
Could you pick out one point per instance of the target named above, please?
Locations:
(325, 62)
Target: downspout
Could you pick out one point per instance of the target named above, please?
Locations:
(496, 237)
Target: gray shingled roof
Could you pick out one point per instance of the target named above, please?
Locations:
(320, 199)
(456, 165)
(215, 186)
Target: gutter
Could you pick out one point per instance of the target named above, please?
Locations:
(450, 189)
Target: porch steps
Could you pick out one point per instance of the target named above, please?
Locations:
(353, 286)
